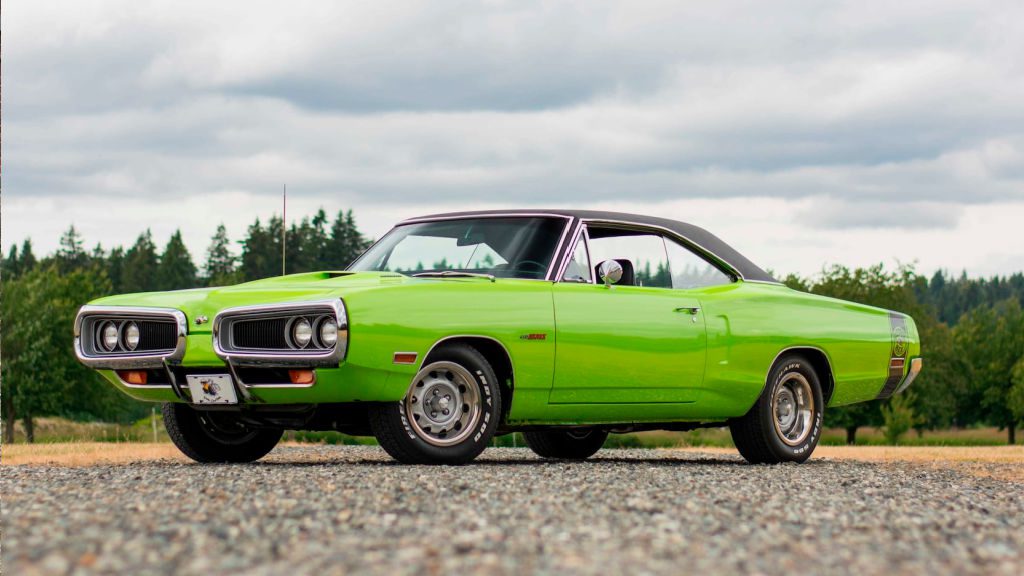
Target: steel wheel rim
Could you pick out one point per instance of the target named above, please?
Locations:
(441, 387)
(793, 409)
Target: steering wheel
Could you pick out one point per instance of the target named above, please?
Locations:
(531, 264)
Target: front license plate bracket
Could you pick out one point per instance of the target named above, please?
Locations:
(212, 389)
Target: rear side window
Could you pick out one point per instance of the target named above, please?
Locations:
(642, 255)
(688, 270)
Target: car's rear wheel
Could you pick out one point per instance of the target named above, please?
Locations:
(576, 444)
(211, 436)
(449, 414)
(785, 423)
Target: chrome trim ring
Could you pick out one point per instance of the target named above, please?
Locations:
(793, 408)
(302, 357)
(443, 405)
(129, 360)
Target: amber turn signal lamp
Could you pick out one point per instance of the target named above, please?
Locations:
(301, 376)
(137, 377)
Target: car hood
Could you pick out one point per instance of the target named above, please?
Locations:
(292, 288)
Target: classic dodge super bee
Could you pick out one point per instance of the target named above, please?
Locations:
(564, 325)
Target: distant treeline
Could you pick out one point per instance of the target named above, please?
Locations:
(972, 329)
(313, 244)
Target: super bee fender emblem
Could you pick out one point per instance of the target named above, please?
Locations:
(899, 341)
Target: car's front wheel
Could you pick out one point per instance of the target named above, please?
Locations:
(785, 423)
(566, 444)
(449, 414)
(211, 436)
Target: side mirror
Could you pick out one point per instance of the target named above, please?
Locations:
(610, 272)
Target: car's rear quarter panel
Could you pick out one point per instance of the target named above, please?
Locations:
(750, 324)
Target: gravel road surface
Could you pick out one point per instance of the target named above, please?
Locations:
(350, 510)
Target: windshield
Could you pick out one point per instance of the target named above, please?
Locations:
(514, 247)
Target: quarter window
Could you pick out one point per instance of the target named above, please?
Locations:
(578, 269)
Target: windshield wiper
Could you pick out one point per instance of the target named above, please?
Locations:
(453, 274)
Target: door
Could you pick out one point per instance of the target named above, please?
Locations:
(639, 341)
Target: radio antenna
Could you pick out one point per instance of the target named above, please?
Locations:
(284, 232)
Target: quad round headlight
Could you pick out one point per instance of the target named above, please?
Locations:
(132, 335)
(108, 336)
(302, 333)
(328, 333)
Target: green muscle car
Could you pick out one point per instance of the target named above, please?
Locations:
(564, 325)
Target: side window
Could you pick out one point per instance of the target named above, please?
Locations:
(578, 269)
(642, 255)
(691, 271)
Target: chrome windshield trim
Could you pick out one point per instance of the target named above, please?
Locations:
(713, 258)
(308, 358)
(424, 219)
(129, 361)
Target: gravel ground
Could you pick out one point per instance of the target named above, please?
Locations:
(350, 510)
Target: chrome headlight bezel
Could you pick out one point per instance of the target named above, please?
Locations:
(92, 319)
(311, 355)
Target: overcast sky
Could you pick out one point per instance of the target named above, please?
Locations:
(804, 133)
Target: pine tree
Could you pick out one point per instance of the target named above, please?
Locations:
(319, 241)
(261, 251)
(71, 254)
(176, 270)
(346, 242)
(220, 267)
(10, 263)
(141, 266)
(27, 261)
(115, 269)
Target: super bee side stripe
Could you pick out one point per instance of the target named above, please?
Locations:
(898, 354)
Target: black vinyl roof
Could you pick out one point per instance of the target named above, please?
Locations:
(694, 234)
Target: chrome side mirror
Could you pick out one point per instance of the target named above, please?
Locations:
(610, 272)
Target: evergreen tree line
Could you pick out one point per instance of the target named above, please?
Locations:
(41, 376)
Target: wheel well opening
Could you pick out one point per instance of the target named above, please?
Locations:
(499, 360)
(819, 361)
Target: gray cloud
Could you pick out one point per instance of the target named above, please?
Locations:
(853, 110)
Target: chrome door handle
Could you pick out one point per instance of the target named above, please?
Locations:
(692, 310)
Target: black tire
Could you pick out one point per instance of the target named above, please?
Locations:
(566, 444)
(761, 434)
(397, 425)
(208, 436)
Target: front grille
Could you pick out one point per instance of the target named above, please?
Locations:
(155, 336)
(262, 334)
(265, 335)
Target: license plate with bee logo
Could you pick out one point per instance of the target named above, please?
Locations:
(212, 389)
